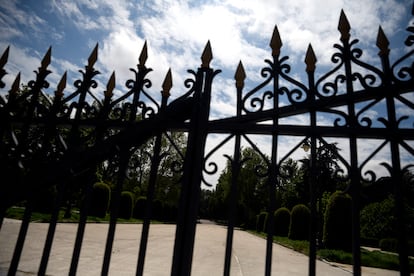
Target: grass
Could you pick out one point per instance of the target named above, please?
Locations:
(17, 213)
(376, 259)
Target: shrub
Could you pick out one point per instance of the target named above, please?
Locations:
(44, 200)
(337, 230)
(282, 220)
(139, 208)
(126, 204)
(101, 195)
(299, 223)
(390, 245)
(378, 220)
(260, 222)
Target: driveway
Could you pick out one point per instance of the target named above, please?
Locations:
(248, 252)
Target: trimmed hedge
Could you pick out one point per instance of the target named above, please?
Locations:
(261, 222)
(299, 223)
(282, 220)
(101, 195)
(139, 208)
(126, 205)
(337, 230)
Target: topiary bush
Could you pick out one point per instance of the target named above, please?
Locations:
(126, 205)
(299, 223)
(261, 222)
(282, 220)
(44, 200)
(139, 208)
(389, 244)
(101, 195)
(378, 220)
(337, 230)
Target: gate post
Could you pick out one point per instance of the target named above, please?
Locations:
(193, 164)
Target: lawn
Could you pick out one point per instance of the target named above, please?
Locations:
(377, 259)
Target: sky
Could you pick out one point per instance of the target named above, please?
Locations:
(177, 32)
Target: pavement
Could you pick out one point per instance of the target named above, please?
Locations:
(248, 252)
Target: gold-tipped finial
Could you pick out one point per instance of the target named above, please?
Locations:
(61, 86)
(143, 56)
(382, 42)
(240, 76)
(110, 85)
(15, 86)
(93, 57)
(310, 59)
(4, 57)
(344, 27)
(167, 84)
(207, 56)
(46, 59)
(275, 42)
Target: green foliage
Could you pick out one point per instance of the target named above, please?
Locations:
(44, 199)
(377, 220)
(261, 222)
(299, 223)
(139, 208)
(282, 220)
(337, 231)
(252, 191)
(101, 196)
(126, 205)
(389, 244)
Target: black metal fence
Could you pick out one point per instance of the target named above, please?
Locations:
(55, 140)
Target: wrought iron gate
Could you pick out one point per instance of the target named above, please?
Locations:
(43, 141)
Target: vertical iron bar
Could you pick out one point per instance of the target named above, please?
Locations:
(396, 172)
(20, 240)
(50, 131)
(148, 205)
(310, 69)
(124, 156)
(51, 231)
(354, 169)
(235, 171)
(272, 181)
(233, 205)
(156, 159)
(190, 191)
(81, 230)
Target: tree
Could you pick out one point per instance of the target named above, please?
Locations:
(252, 190)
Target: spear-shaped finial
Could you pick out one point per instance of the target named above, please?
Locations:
(275, 42)
(61, 86)
(344, 27)
(382, 42)
(110, 85)
(310, 59)
(167, 84)
(240, 76)
(143, 56)
(46, 59)
(93, 57)
(15, 86)
(207, 56)
(4, 57)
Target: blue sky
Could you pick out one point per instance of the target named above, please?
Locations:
(177, 31)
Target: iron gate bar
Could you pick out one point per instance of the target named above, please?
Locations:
(155, 162)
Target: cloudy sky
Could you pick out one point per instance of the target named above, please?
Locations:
(177, 31)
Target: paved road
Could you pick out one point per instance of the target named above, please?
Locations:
(248, 252)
